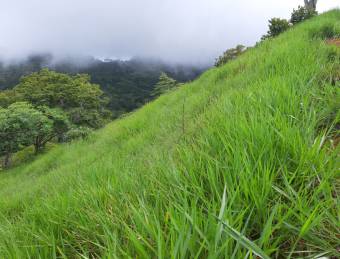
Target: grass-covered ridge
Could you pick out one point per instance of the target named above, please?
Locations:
(240, 161)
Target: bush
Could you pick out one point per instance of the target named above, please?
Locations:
(276, 27)
(302, 14)
(229, 54)
(78, 133)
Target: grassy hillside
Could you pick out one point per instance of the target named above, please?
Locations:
(242, 161)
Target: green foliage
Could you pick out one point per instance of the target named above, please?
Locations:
(22, 125)
(92, 118)
(53, 124)
(7, 97)
(164, 85)
(55, 101)
(78, 133)
(302, 14)
(229, 55)
(11, 73)
(127, 84)
(68, 93)
(276, 27)
(130, 84)
(250, 175)
(17, 124)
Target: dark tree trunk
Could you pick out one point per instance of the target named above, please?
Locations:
(37, 145)
(311, 4)
(7, 160)
(36, 149)
(40, 143)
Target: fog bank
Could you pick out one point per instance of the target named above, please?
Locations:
(194, 31)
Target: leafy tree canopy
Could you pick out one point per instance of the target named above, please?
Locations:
(52, 124)
(69, 93)
(22, 125)
(7, 97)
(276, 27)
(164, 84)
(16, 128)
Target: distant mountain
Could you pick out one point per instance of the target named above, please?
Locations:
(128, 84)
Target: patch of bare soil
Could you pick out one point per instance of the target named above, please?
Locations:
(335, 42)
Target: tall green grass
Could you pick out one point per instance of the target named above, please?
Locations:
(238, 164)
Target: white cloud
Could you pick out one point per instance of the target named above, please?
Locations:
(176, 30)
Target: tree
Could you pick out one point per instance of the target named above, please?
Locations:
(128, 84)
(7, 97)
(164, 84)
(302, 14)
(229, 55)
(16, 124)
(276, 27)
(23, 125)
(52, 123)
(57, 90)
(78, 133)
(311, 4)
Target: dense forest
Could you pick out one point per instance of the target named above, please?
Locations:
(128, 84)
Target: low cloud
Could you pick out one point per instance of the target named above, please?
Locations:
(194, 31)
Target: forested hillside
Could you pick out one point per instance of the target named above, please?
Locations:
(128, 84)
(242, 162)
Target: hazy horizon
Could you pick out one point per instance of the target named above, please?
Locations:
(192, 31)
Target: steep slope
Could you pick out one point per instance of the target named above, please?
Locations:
(240, 161)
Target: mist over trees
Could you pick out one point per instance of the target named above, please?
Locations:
(127, 84)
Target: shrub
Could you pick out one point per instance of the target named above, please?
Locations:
(229, 54)
(78, 133)
(302, 14)
(276, 27)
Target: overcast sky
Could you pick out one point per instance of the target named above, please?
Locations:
(174, 30)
